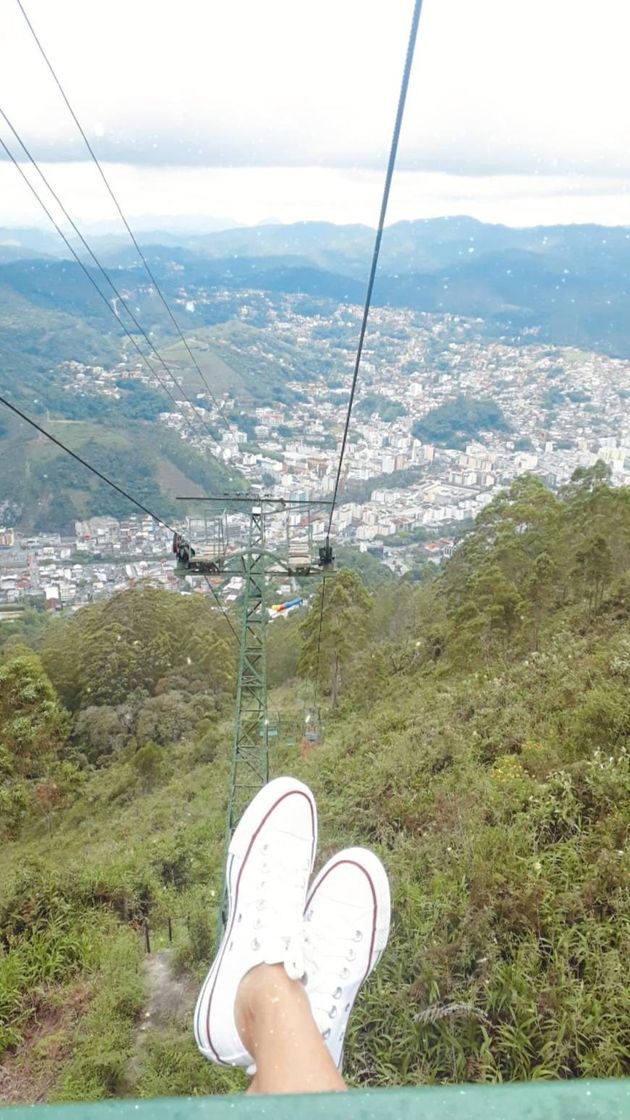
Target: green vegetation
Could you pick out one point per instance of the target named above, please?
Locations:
(552, 398)
(358, 491)
(458, 421)
(264, 361)
(476, 735)
(373, 573)
(54, 491)
(331, 634)
(384, 407)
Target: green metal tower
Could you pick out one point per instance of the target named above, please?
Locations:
(250, 751)
(249, 769)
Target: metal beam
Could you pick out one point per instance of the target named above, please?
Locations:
(256, 500)
(250, 749)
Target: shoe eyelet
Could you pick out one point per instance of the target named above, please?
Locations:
(337, 993)
(260, 905)
(351, 955)
(358, 936)
(326, 1033)
(345, 972)
(346, 1008)
(258, 923)
(332, 1013)
(255, 944)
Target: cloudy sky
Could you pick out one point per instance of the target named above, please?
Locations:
(246, 111)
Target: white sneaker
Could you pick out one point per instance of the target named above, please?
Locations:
(270, 859)
(346, 926)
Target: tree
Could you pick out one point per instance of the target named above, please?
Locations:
(33, 725)
(137, 640)
(455, 422)
(593, 567)
(99, 731)
(540, 591)
(148, 762)
(165, 719)
(346, 608)
(487, 619)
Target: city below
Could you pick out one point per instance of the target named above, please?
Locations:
(403, 498)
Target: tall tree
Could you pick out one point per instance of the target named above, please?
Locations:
(346, 609)
(33, 724)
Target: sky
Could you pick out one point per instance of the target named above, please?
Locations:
(243, 112)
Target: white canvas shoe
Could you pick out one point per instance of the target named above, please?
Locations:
(270, 859)
(346, 926)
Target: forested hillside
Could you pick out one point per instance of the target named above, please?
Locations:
(41, 488)
(476, 735)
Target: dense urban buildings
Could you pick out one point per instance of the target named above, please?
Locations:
(402, 494)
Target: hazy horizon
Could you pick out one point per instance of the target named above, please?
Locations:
(517, 113)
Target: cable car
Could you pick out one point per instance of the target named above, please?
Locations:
(300, 562)
(311, 735)
(326, 555)
(208, 561)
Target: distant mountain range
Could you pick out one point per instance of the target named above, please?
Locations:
(566, 285)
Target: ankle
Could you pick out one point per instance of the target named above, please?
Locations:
(262, 990)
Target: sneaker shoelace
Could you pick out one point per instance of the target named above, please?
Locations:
(329, 955)
(277, 924)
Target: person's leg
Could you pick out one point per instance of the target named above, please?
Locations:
(279, 992)
(274, 1020)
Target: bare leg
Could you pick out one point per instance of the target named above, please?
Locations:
(274, 1021)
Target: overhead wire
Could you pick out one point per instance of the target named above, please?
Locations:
(222, 608)
(114, 486)
(413, 34)
(128, 228)
(158, 357)
(84, 463)
(39, 428)
(389, 174)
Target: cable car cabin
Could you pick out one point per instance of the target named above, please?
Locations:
(189, 560)
(311, 734)
(300, 562)
(326, 556)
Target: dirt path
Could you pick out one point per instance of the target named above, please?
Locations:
(170, 1004)
(170, 998)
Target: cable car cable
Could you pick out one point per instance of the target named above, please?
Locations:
(84, 463)
(123, 218)
(82, 265)
(109, 482)
(411, 45)
(379, 236)
(222, 608)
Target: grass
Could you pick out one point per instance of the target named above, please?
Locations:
(498, 797)
(220, 376)
(104, 1038)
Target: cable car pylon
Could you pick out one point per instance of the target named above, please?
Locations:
(249, 763)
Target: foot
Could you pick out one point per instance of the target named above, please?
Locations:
(270, 859)
(346, 926)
